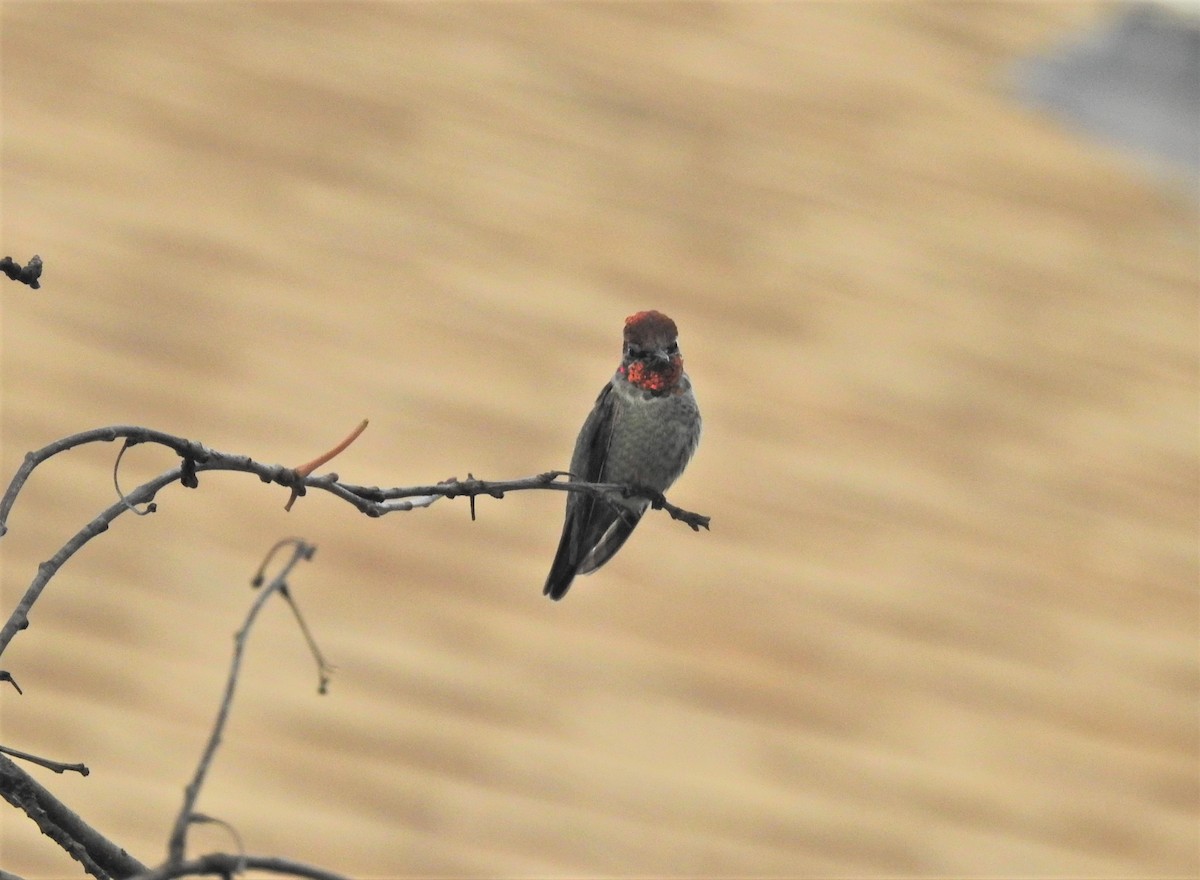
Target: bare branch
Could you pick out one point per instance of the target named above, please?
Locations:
(371, 500)
(196, 458)
(324, 667)
(178, 840)
(99, 856)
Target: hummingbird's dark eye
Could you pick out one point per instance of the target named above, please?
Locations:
(637, 354)
(673, 348)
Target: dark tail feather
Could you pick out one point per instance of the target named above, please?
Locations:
(562, 570)
(592, 534)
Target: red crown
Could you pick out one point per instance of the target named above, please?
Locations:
(650, 329)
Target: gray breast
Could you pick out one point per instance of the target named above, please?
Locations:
(653, 437)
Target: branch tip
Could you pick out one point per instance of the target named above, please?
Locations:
(56, 766)
(27, 274)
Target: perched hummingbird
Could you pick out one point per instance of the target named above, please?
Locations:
(641, 433)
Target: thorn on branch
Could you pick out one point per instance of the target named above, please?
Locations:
(5, 675)
(27, 274)
(471, 500)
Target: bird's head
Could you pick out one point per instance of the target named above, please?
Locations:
(651, 360)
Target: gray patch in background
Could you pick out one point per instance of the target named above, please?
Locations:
(1132, 81)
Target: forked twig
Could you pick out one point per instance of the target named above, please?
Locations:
(178, 840)
(324, 667)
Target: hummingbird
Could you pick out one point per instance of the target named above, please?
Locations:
(641, 433)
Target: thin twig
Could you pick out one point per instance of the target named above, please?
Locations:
(178, 840)
(227, 864)
(203, 819)
(308, 467)
(134, 434)
(56, 766)
(260, 576)
(150, 508)
(324, 667)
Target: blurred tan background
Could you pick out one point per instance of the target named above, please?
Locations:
(945, 622)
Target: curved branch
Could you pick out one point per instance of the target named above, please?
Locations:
(196, 458)
(185, 449)
(19, 619)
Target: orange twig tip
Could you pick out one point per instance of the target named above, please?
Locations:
(308, 467)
